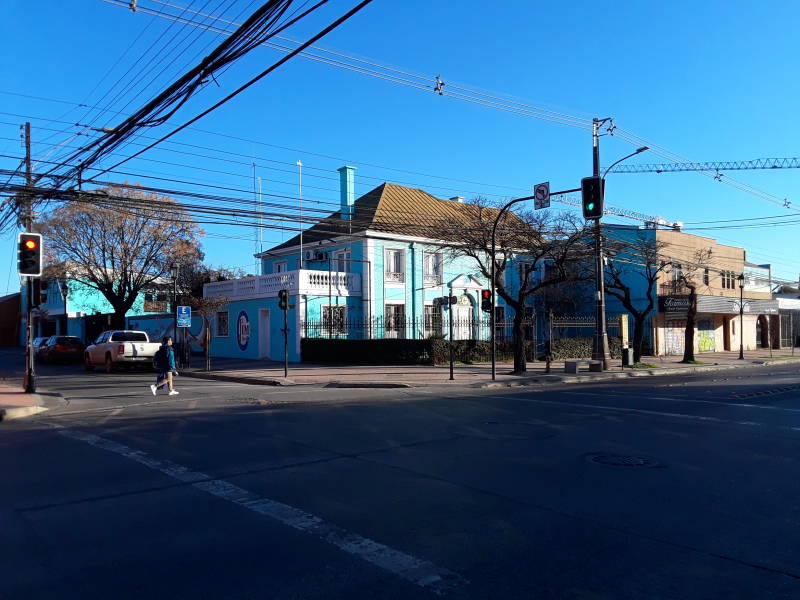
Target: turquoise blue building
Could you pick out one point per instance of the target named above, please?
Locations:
(73, 308)
(373, 269)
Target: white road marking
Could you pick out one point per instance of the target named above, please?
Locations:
(113, 413)
(739, 404)
(418, 571)
(641, 411)
(104, 408)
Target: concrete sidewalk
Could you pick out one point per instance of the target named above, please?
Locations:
(262, 372)
(15, 403)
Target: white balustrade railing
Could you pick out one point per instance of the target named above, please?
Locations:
(319, 283)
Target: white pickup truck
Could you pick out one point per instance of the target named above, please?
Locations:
(120, 348)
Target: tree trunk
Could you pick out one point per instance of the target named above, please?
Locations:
(688, 340)
(638, 337)
(518, 343)
(118, 318)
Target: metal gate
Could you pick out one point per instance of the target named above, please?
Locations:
(787, 337)
(674, 332)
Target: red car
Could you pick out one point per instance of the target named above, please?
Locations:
(62, 348)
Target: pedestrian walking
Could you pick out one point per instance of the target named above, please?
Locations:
(165, 363)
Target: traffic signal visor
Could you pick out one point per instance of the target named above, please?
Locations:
(29, 254)
(592, 197)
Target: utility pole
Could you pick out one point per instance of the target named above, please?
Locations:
(300, 200)
(27, 221)
(600, 347)
(175, 309)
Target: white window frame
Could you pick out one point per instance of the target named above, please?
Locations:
(433, 324)
(340, 331)
(400, 331)
(227, 324)
(280, 267)
(394, 276)
(435, 260)
(343, 258)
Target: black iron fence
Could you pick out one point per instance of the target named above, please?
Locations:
(379, 328)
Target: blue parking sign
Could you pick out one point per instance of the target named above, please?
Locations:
(184, 316)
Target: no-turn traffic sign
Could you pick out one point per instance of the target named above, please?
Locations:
(541, 195)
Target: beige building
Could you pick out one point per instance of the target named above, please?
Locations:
(724, 281)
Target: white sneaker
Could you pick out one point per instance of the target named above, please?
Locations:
(153, 389)
(174, 393)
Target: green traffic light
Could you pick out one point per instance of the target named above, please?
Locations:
(590, 206)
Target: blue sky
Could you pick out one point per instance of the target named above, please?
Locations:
(707, 81)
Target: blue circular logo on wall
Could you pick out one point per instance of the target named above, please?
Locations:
(242, 330)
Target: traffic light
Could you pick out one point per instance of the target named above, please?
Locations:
(486, 300)
(283, 299)
(29, 254)
(592, 189)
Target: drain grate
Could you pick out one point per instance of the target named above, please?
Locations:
(620, 460)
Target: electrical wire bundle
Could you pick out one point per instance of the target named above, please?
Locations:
(264, 23)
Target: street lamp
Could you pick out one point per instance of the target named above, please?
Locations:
(63, 287)
(740, 279)
(600, 350)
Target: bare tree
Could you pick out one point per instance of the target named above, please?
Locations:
(629, 263)
(119, 240)
(685, 276)
(554, 245)
(194, 274)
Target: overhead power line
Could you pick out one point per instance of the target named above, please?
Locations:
(463, 93)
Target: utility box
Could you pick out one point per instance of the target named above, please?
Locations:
(627, 357)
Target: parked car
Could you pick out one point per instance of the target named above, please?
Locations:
(62, 348)
(37, 346)
(120, 348)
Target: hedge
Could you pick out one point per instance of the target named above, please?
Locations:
(404, 352)
(436, 351)
(581, 348)
(366, 352)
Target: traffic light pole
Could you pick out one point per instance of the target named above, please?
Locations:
(600, 346)
(450, 309)
(30, 370)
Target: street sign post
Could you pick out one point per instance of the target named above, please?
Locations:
(184, 316)
(541, 195)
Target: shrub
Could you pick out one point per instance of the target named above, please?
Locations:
(565, 348)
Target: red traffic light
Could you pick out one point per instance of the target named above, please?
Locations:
(486, 295)
(30, 244)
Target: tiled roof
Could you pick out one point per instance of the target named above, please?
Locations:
(392, 208)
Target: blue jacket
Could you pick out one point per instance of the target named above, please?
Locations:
(169, 364)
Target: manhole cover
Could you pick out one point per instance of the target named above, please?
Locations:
(621, 460)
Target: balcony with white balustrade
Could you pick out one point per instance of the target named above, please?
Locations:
(300, 282)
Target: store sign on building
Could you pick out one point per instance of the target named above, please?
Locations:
(674, 306)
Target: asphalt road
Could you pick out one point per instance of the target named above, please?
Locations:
(667, 487)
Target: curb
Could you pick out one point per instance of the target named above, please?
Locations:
(48, 402)
(367, 384)
(624, 375)
(239, 379)
(18, 412)
(780, 361)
